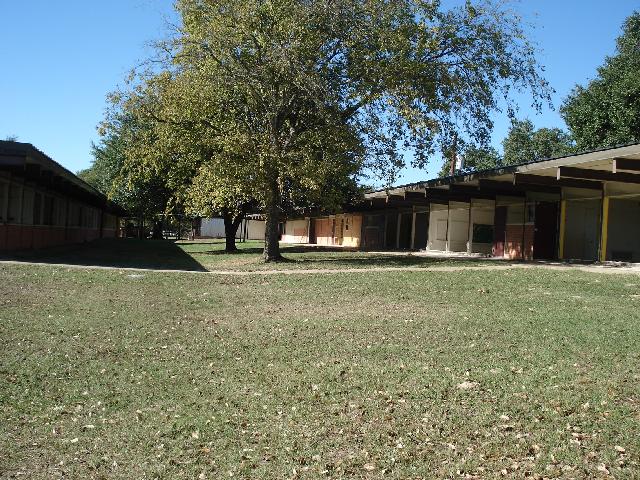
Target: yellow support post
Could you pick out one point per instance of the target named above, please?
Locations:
(563, 221)
(605, 229)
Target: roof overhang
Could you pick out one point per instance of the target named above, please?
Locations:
(611, 169)
(23, 160)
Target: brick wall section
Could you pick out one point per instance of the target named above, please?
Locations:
(22, 237)
(513, 244)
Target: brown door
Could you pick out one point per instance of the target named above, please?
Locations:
(499, 231)
(545, 235)
(406, 221)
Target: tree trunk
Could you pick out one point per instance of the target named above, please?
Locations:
(157, 230)
(272, 234)
(231, 225)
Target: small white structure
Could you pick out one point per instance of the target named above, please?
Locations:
(251, 228)
(296, 231)
(212, 228)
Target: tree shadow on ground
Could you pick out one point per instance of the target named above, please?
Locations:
(339, 257)
(119, 253)
(258, 250)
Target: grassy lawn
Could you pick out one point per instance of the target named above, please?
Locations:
(469, 374)
(202, 255)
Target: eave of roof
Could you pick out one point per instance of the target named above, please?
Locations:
(502, 170)
(27, 150)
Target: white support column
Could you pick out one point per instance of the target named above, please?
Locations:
(398, 222)
(470, 229)
(446, 243)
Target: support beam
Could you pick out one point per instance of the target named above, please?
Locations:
(485, 192)
(523, 179)
(413, 228)
(629, 164)
(604, 234)
(508, 188)
(468, 189)
(377, 202)
(562, 228)
(602, 175)
(413, 195)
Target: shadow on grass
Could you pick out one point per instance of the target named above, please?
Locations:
(284, 249)
(381, 260)
(123, 253)
(335, 257)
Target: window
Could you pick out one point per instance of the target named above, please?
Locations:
(3, 202)
(61, 212)
(37, 209)
(15, 203)
(47, 214)
(27, 206)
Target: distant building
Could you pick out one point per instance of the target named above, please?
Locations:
(584, 206)
(43, 204)
(251, 228)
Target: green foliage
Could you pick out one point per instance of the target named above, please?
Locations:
(287, 99)
(116, 174)
(475, 159)
(606, 112)
(525, 144)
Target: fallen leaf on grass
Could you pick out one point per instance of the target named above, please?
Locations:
(468, 385)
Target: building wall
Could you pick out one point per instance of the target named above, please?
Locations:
(351, 230)
(212, 228)
(342, 229)
(458, 228)
(32, 217)
(437, 239)
(323, 228)
(296, 231)
(520, 228)
(255, 229)
(623, 243)
(482, 218)
(420, 229)
(582, 229)
(373, 231)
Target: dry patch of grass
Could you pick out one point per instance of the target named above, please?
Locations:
(475, 374)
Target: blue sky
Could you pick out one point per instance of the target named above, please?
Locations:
(61, 58)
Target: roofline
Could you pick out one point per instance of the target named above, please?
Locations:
(501, 170)
(28, 149)
(40, 153)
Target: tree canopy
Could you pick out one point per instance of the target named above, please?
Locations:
(473, 158)
(606, 112)
(142, 194)
(280, 98)
(524, 143)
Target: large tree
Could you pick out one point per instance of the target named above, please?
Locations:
(473, 159)
(524, 143)
(310, 88)
(144, 196)
(606, 112)
(213, 195)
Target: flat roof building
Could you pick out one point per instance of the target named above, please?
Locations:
(44, 204)
(584, 206)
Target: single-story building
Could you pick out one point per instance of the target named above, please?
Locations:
(251, 228)
(43, 204)
(584, 206)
